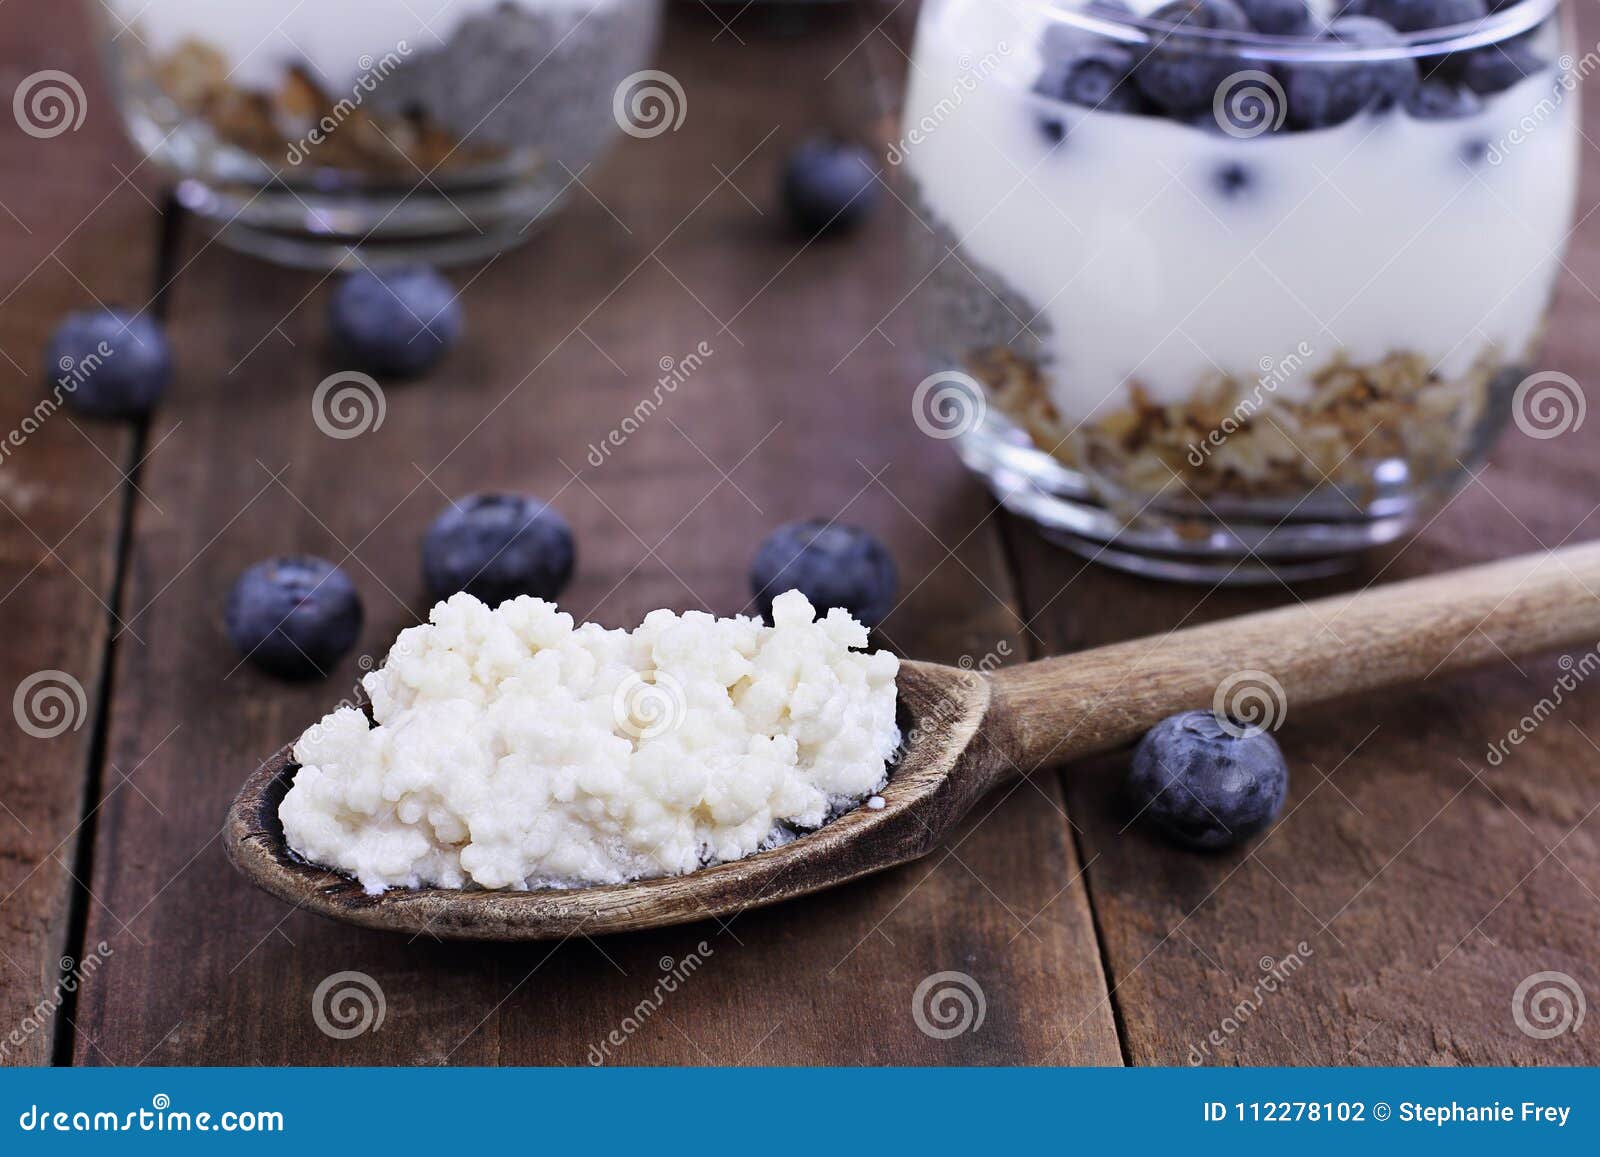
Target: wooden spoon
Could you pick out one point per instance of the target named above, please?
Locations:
(969, 733)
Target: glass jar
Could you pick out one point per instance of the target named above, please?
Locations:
(1211, 303)
(434, 130)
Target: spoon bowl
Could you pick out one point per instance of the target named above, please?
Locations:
(940, 709)
(967, 733)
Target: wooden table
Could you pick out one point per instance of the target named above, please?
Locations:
(1423, 883)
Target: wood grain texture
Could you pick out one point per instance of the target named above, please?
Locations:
(801, 408)
(71, 231)
(1426, 882)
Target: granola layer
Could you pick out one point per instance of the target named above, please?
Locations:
(1244, 440)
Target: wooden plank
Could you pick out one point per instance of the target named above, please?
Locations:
(800, 408)
(71, 231)
(1426, 883)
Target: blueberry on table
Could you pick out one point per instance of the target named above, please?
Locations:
(1278, 17)
(1327, 93)
(832, 564)
(1435, 100)
(293, 617)
(829, 187)
(1497, 67)
(395, 321)
(108, 363)
(1425, 15)
(496, 547)
(1205, 785)
(1178, 74)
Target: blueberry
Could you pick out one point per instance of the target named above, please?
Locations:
(1329, 93)
(1278, 17)
(1204, 786)
(833, 565)
(496, 547)
(1232, 180)
(1425, 15)
(1435, 100)
(1178, 74)
(1497, 67)
(293, 617)
(1474, 152)
(829, 187)
(395, 321)
(109, 363)
(1096, 79)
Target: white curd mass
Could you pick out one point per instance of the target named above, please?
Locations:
(515, 750)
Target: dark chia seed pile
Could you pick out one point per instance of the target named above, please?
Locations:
(519, 77)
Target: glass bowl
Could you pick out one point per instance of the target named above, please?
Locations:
(437, 130)
(1212, 304)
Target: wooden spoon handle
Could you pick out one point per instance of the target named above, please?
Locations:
(1263, 666)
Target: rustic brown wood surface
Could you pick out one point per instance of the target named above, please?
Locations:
(71, 230)
(1423, 883)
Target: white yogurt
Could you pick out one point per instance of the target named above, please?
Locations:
(1371, 238)
(513, 750)
(336, 40)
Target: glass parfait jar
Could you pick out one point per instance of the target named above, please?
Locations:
(1224, 292)
(432, 130)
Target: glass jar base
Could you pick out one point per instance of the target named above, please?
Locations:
(1176, 535)
(311, 231)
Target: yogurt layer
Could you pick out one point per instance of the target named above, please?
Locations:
(336, 41)
(1146, 251)
(514, 750)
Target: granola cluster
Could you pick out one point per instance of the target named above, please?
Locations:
(270, 124)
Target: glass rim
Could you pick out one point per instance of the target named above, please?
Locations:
(1135, 31)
